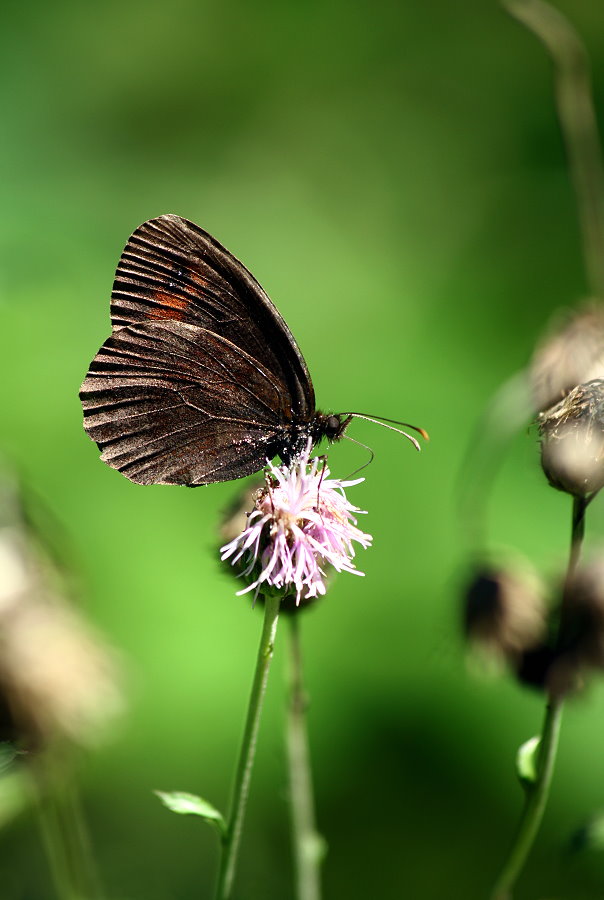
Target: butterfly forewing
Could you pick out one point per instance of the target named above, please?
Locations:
(172, 270)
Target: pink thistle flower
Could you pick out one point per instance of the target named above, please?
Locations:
(301, 524)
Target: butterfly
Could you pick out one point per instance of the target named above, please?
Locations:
(201, 380)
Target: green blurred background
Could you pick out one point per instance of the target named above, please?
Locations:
(393, 174)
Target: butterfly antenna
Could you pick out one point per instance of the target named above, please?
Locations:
(365, 447)
(379, 420)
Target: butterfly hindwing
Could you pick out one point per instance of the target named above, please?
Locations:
(172, 403)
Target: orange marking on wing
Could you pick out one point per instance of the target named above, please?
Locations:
(170, 307)
(197, 279)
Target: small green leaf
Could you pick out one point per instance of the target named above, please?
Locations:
(191, 805)
(526, 761)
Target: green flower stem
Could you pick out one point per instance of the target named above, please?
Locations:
(232, 836)
(580, 505)
(537, 793)
(577, 121)
(536, 799)
(307, 843)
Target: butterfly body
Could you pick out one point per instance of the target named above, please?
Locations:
(201, 380)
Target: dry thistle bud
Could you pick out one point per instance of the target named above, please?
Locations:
(582, 631)
(535, 665)
(572, 440)
(559, 665)
(57, 679)
(572, 354)
(504, 612)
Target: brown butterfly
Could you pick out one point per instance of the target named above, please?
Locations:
(201, 380)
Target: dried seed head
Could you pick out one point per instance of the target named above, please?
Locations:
(57, 677)
(572, 354)
(535, 665)
(504, 611)
(560, 665)
(572, 440)
(583, 620)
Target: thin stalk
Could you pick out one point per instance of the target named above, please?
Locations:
(55, 849)
(78, 841)
(537, 793)
(578, 123)
(63, 830)
(307, 843)
(580, 505)
(243, 773)
(536, 800)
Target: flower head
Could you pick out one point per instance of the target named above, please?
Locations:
(301, 525)
(571, 354)
(58, 678)
(572, 440)
(503, 610)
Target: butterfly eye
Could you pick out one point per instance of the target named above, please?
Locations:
(333, 427)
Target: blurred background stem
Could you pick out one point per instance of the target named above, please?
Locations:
(537, 792)
(307, 843)
(580, 133)
(578, 123)
(243, 774)
(512, 405)
(64, 833)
